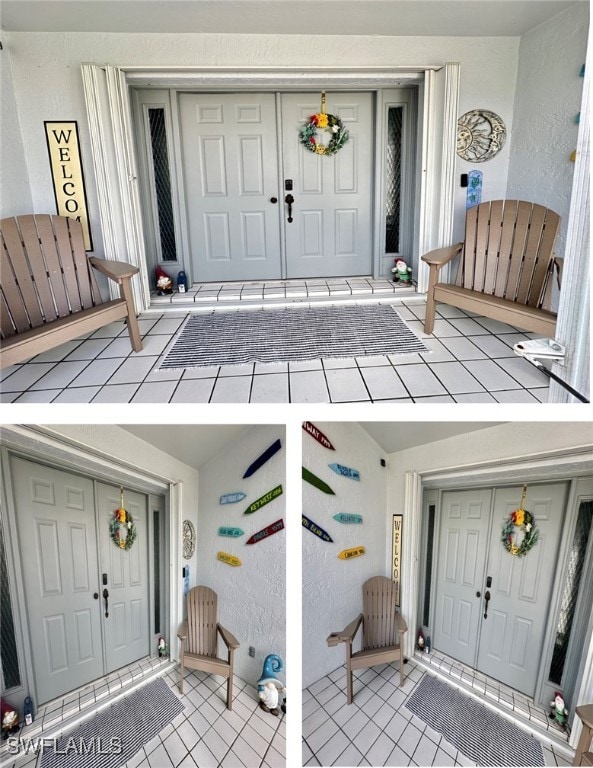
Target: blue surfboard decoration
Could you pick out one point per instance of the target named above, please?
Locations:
(340, 469)
(344, 517)
(317, 530)
(261, 460)
(474, 189)
(232, 498)
(232, 532)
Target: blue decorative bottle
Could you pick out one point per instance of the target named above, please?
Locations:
(182, 284)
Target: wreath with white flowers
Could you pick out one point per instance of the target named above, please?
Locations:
(524, 520)
(122, 522)
(321, 121)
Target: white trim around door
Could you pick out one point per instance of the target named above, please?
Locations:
(108, 98)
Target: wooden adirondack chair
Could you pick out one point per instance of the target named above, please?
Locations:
(383, 630)
(582, 755)
(199, 639)
(505, 267)
(48, 292)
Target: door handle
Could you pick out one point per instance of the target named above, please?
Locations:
(486, 599)
(106, 598)
(289, 200)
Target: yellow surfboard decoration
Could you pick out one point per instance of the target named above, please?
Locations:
(228, 559)
(348, 554)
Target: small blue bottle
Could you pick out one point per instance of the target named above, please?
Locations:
(28, 710)
(428, 644)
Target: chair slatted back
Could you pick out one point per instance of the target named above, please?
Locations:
(379, 609)
(508, 250)
(202, 605)
(44, 270)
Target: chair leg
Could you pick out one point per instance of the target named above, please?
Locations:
(348, 674)
(583, 745)
(229, 693)
(401, 663)
(181, 673)
(430, 312)
(131, 319)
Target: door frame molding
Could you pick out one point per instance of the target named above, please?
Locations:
(39, 444)
(107, 93)
(543, 465)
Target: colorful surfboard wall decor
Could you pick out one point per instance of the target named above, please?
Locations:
(261, 460)
(317, 530)
(232, 498)
(269, 530)
(232, 532)
(474, 189)
(263, 500)
(348, 554)
(340, 469)
(344, 517)
(224, 557)
(317, 482)
(318, 435)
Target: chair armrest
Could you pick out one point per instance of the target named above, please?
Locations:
(441, 256)
(559, 264)
(228, 639)
(115, 270)
(347, 634)
(182, 631)
(401, 623)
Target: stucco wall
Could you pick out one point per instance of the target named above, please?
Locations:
(332, 588)
(547, 99)
(15, 194)
(48, 83)
(251, 597)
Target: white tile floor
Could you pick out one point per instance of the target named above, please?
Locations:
(377, 729)
(205, 734)
(471, 360)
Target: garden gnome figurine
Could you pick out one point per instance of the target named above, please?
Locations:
(559, 712)
(10, 719)
(401, 272)
(269, 687)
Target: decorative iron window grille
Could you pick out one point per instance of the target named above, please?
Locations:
(570, 592)
(11, 677)
(156, 551)
(162, 183)
(429, 555)
(394, 179)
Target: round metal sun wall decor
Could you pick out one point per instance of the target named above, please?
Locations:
(189, 539)
(480, 135)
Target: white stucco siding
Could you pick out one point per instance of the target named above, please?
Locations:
(251, 597)
(15, 193)
(48, 83)
(547, 100)
(332, 588)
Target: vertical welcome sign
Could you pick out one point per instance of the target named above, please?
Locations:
(396, 544)
(66, 169)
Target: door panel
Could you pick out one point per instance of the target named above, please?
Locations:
(55, 516)
(465, 521)
(126, 628)
(331, 233)
(512, 635)
(231, 172)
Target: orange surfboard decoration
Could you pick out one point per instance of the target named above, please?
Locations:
(228, 559)
(348, 554)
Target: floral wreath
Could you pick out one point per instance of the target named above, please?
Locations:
(122, 518)
(330, 124)
(520, 518)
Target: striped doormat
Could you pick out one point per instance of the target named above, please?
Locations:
(114, 735)
(476, 731)
(290, 335)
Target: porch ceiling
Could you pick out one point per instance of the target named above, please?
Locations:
(320, 17)
(194, 445)
(399, 436)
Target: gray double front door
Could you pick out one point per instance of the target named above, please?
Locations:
(242, 158)
(86, 599)
(501, 636)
